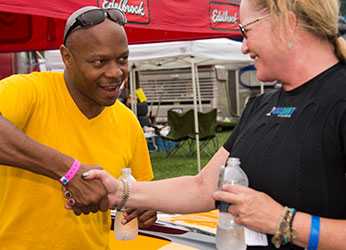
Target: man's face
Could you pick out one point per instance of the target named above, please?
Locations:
(98, 65)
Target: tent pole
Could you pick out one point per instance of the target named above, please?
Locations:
(193, 65)
(262, 87)
(198, 89)
(133, 90)
(237, 92)
(13, 67)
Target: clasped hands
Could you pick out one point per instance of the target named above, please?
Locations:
(85, 195)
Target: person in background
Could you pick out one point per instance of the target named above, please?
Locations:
(55, 126)
(291, 142)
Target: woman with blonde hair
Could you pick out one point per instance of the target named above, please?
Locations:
(291, 142)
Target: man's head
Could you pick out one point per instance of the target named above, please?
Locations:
(95, 55)
(92, 15)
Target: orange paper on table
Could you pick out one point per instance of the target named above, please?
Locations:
(140, 95)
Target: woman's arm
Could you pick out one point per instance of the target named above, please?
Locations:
(186, 194)
(332, 232)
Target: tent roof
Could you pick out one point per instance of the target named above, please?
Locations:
(180, 54)
(175, 54)
(38, 25)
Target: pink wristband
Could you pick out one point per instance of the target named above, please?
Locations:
(71, 173)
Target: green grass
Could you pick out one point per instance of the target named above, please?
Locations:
(177, 165)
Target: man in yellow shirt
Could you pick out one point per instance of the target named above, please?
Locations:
(55, 126)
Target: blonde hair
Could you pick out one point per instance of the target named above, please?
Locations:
(319, 17)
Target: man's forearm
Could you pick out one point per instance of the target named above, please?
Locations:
(18, 150)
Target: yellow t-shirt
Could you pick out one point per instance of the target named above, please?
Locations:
(32, 213)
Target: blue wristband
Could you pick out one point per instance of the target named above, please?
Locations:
(314, 232)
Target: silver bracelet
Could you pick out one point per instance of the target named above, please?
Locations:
(126, 194)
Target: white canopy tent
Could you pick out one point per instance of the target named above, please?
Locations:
(186, 54)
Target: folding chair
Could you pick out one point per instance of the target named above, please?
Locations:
(207, 132)
(180, 125)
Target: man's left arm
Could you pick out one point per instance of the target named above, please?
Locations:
(145, 217)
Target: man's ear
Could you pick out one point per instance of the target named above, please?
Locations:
(66, 56)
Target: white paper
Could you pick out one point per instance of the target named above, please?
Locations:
(253, 238)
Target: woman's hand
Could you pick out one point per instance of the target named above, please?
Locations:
(111, 184)
(145, 217)
(252, 209)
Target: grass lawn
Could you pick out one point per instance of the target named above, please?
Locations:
(177, 165)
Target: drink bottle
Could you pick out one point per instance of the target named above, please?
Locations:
(230, 235)
(129, 231)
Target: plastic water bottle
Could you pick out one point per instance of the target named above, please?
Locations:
(129, 231)
(230, 235)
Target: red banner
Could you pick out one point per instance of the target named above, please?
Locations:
(223, 16)
(136, 12)
(39, 25)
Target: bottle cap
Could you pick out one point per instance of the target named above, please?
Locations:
(126, 170)
(233, 161)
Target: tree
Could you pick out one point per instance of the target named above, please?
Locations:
(343, 7)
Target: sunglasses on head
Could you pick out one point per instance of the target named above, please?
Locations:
(96, 16)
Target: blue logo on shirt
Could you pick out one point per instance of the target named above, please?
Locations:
(284, 112)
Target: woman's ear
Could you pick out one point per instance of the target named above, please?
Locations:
(292, 18)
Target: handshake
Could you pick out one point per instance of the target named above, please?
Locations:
(92, 189)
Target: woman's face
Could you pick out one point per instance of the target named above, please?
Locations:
(259, 42)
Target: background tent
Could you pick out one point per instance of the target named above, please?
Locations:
(38, 25)
(186, 54)
(178, 54)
